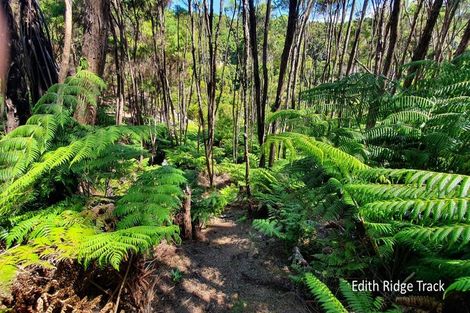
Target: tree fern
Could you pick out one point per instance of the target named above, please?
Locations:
(25, 144)
(324, 153)
(115, 247)
(89, 147)
(151, 199)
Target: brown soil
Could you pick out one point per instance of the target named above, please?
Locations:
(234, 269)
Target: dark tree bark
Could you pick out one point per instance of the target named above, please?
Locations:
(32, 66)
(464, 41)
(264, 98)
(244, 60)
(381, 39)
(423, 44)
(346, 39)
(410, 36)
(117, 31)
(449, 16)
(394, 20)
(290, 32)
(340, 33)
(256, 75)
(95, 34)
(352, 56)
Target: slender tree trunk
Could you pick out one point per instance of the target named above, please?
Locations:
(187, 222)
(329, 40)
(352, 56)
(295, 54)
(449, 15)
(264, 99)
(394, 21)
(410, 37)
(250, 6)
(423, 44)
(346, 39)
(290, 32)
(464, 41)
(244, 86)
(117, 27)
(340, 33)
(64, 67)
(380, 39)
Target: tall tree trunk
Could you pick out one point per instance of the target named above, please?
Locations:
(117, 25)
(95, 34)
(4, 61)
(380, 39)
(329, 40)
(64, 67)
(449, 15)
(464, 41)
(264, 99)
(352, 56)
(256, 75)
(94, 45)
(423, 44)
(410, 37)
(295, 54)
(340, 33)
(290, 32)
(394, 21)
(346, 39)
(244, 86)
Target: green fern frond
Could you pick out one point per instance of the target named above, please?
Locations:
(323, 295)
(268, 227)
(421, 211)
(447, 267)
(413, 117)
(321, 151)
(462, 285)
(453, 236)
(90, 147)
(358, 301)
(115, 247)
(442, 183)
(401, 103)
(152, 198)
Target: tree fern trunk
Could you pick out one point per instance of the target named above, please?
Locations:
(32, 67)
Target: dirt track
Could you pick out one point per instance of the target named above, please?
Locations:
(233, 269)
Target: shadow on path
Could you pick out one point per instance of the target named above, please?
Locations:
(233, 270)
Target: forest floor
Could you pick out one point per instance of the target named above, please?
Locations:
(232, 269)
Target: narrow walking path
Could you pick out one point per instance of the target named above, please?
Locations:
(234, 269)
